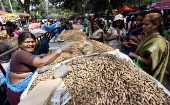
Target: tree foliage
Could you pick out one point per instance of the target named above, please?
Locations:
(27, 3)
(95, 5)
(65, 6)
(15, 6)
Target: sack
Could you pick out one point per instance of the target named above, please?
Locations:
(137, 63)
(86, 48)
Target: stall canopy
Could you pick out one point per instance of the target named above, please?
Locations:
(3, 12)
(5, 16)
(164, 4)
(126, 9)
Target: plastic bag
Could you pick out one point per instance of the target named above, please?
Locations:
(62, 71)
(86, 48)
(137, 63)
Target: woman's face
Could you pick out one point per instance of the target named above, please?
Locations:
(139, 21)
(4, 28)
(28, 44)
(118, 22)
(148, 27)
(95, 25)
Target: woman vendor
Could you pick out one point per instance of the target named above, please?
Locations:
(153, 49)
(23, 64)
(98, 34)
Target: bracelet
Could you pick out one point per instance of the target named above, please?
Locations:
(59, 51)
(139, 58)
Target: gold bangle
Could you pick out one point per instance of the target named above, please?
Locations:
(59, 51)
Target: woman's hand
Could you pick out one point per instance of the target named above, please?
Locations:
(134, 39)
(132, 42)
(126, 44)
(131, 54)
(6, 36)
(88, 38)
(67, 48)
(120, 35)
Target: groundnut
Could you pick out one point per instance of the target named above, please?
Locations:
(106, 79)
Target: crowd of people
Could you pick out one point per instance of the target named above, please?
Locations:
(141, 40)
(13, 29)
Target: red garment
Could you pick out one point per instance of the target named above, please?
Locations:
(13, 97)
(22, 61)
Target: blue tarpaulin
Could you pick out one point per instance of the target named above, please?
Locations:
(50, 27)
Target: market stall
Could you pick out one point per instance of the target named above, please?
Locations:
(5, 16)
(105, 76)
(108, 78)
(23, 17)
(94, 73)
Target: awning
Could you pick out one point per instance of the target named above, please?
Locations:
(126, 9)
(8, 17)
(3, 12)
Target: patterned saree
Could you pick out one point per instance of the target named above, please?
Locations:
(157, 48)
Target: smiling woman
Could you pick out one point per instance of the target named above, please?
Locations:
(23, 64)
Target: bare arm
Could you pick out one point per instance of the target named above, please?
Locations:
(147, 61)
(99, 36)
(107, 38)
(5, 35)
(39, 62)
(133, 42)
(134, 39)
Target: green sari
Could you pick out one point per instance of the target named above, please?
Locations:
(157, 48)
(96, 32)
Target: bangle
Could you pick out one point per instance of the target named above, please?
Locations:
(59, 51)
(139, 58)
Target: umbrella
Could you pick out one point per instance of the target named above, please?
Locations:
(3, 12)
(126, 9)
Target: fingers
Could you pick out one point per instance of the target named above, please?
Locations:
(67, 48)
(88, 38)
(128, 44)
(71, 48)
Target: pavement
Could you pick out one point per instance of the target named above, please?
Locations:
(166, 79)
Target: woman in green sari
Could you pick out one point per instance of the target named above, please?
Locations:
(153, 49)
(98, 34)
